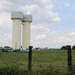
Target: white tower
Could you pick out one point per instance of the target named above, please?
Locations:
(27, 19)
(17, 17)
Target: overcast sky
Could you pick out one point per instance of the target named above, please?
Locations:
(53, 21)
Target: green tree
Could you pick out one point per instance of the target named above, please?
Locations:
(73, 47)
(64, 48)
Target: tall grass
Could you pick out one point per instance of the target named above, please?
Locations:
(13, 70)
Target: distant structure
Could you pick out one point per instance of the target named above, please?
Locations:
(27, 19)
(20, 19)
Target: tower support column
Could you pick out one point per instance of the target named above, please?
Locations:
(27, 19)
(26, 35)
(17, 17)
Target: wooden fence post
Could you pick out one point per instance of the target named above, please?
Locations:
(30, 58)
(69, 51)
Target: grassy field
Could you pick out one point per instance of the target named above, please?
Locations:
(54, 58)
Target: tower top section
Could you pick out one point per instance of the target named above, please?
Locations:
(16, 15)
(27, 18)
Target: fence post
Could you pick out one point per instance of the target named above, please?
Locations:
(30, 58)
(69, 51)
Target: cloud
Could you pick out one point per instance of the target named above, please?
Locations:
(4, 5)
(17, 1)
(41, 36)
(12, 5)
(43, 3)
(72, 33)
(66, 4)
(41, 31)
(45, 40)
(5, 20)
(5, 29)
(62, 39)
(42, 14)
(39, 28)
(5, 39)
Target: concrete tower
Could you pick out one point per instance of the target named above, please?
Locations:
(17, 17)
(27, 19)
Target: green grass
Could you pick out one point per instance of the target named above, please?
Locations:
(42, 60)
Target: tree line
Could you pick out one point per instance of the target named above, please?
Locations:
(65, 47)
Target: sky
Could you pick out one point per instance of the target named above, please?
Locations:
(53, 24)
